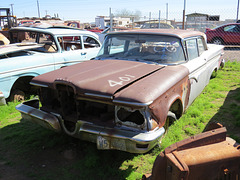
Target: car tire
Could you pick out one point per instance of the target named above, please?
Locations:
(171, 117)
(17, 95)
(218, 41)
(214, 74)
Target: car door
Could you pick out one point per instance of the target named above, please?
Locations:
(231, 34)
(70, 51)
(73, 50)
(197, 67)
(91, 46)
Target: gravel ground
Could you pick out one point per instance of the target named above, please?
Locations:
(232, 54)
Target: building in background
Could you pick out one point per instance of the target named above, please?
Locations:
(104, 21)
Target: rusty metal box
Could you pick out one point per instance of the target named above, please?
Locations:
(207, 156)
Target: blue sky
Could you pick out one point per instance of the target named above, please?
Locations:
(87, 10)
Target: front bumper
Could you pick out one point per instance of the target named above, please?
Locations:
(104, 137)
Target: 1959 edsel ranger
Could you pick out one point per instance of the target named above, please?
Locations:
(140, 82)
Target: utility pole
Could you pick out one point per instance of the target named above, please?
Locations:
(184, 7)
(166, 11)
(150, 19)
(38, 9)
(111, 21)
(12, 8)
(237, 10)
(159, 19)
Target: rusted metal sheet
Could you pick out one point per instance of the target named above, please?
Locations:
(209, 155)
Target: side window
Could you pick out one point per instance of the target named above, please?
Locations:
(90, 42)
(70, 43)
(48, 42)
(201, 48)
(192, 49)
(229, 28)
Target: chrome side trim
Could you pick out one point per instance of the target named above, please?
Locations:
(132, 103)
(37, 84)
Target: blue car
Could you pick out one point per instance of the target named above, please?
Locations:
(40, 50)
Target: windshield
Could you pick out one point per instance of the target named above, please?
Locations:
(142, 47)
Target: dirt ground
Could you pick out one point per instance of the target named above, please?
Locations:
(232, 53)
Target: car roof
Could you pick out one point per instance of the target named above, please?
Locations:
(56, 30)
(167, 32)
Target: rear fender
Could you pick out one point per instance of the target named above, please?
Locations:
(9, 82)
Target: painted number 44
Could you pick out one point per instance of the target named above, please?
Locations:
(122, 79)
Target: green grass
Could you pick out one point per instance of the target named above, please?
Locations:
(37, 153)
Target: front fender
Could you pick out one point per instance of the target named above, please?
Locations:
(178, 93)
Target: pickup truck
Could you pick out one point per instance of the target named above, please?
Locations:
(43, 50)
(126, 98)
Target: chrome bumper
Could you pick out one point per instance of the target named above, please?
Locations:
(104, 137)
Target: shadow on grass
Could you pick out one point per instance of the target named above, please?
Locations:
(38, 153)
(229, 115)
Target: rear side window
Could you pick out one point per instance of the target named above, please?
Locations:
(70, 43)
(90, 42)
(192, 48)
(201, 47)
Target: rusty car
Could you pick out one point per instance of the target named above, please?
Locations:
(140, 82)
(40, 50)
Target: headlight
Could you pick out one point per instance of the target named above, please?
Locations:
(128, 117)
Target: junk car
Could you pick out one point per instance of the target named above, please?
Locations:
(40, 51)
(225, 34)
(125, 99)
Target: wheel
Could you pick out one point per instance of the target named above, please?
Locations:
(218, 41)
(214, 74)
(171, 117)
(17, 95)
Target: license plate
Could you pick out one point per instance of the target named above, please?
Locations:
(103, 143)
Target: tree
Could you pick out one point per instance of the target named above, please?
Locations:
(127, 13)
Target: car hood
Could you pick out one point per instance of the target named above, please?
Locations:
(118, 81)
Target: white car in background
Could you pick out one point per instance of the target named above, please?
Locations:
(39, 50)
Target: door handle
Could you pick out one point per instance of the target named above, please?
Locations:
(83, 53)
